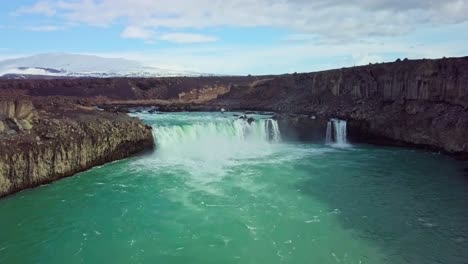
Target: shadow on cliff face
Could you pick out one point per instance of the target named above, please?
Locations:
(407, 204)
(304, 128)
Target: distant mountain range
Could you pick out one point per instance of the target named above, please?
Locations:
(75, 65)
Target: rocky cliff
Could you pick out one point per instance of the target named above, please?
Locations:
(46, 141)
(421, 102)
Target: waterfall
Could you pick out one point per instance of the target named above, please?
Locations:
(206, 144)
(272, 129)
(218, 133)
(328, 138)
(215, 142)
(340, 132)
(336, 133)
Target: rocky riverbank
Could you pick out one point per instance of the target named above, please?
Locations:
(42, 141)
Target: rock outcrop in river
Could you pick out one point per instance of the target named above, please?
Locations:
(46, 141)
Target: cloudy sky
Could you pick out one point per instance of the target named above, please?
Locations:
(238, 36)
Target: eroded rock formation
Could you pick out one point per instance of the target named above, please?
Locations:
(61, 140)
(16, 116)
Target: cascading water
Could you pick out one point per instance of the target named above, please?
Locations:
(340, 132)
(272, 128)
(264, 131)
(336, 133)
(328, 138)
(209, 145)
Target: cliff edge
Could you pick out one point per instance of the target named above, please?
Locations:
(42, 141)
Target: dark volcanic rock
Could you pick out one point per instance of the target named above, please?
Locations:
(302, 127)
(421, 102)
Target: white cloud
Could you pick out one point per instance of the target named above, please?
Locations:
(322, 33)
(46, 28)
(304, 56)
(40, 7)
(330, 18)
(179, 37)
(300, 37)
(366, 58)
(133, 32)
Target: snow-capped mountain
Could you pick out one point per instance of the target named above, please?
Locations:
(74, 65)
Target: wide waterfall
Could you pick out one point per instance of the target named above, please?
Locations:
(238, 130)
(213, 141)
(336, 133)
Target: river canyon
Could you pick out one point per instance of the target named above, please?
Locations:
(355, 165)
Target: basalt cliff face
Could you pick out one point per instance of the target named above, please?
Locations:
(421, 102)
(43, 141)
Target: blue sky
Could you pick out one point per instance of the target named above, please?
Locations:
(238, 36)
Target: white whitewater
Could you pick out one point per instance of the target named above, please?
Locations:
(328, 138)
(336, 133)
(272, 128)
(261, 131)
(210, 145)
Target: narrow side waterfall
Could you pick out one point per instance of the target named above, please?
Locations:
(336, 133)
(272, 128)
(328, 138)
(340, 132)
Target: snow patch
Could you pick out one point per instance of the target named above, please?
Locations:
(74, 65)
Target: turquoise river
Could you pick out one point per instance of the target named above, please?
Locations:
(218, 190)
